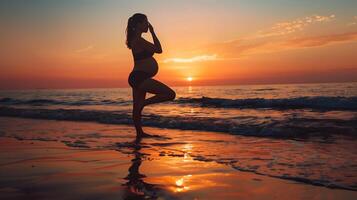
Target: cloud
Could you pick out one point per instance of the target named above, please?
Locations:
(242, 48)
(354, 22)
(84, 49)
(283, 28)
(322, 40)
(248, 46)
(192, 59)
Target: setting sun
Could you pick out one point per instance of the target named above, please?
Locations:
(189, 79)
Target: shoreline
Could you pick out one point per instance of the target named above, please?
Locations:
(54, 169)
(158, 167)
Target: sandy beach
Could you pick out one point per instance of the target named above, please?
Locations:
(82, 160)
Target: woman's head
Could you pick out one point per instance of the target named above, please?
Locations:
(137, 23)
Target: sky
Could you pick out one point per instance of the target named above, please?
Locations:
(81, 43)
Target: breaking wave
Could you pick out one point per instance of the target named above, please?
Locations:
(43, 102)
(242, 125)
(318, 102)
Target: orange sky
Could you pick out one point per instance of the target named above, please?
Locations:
(82, 44)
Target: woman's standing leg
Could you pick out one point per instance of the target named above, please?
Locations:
(138, 103)
(162, 93)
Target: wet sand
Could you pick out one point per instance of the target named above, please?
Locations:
(42, 167)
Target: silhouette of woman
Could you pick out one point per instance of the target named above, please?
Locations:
(145, 67)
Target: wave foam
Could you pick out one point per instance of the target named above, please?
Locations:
(251, 126)
(319, 102)
(42, 102)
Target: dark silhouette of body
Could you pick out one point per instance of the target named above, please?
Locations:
(137, 188)
(145, 67)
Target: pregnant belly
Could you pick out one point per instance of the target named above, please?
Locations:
(148, 65)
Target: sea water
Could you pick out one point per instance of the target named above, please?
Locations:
(304, 132)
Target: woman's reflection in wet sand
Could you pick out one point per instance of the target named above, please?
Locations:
(136, 187)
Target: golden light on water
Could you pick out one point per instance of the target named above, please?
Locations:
(190, 89)
(179, 182)
(187, 148)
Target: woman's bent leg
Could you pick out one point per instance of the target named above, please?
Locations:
(162, 92)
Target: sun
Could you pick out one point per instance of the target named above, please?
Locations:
(189, 78)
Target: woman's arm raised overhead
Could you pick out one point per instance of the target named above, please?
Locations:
(156, 47)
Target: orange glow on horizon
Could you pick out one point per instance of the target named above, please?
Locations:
(89, 50)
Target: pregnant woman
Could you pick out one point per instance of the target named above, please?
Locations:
(145, 67)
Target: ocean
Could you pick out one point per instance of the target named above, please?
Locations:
(293, 110)
(316, 124)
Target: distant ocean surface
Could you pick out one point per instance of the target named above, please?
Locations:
(305, 132)
(291, 110)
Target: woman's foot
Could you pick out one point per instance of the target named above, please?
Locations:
(145, 135)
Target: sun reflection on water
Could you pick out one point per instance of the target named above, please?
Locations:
(192, 110)
(180, 187)
(179, 182)
(187, 148)
(189, 89)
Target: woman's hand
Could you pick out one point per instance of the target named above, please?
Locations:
(151, 29)
(157, 45)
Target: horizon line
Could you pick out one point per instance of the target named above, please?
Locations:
(199, 85)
